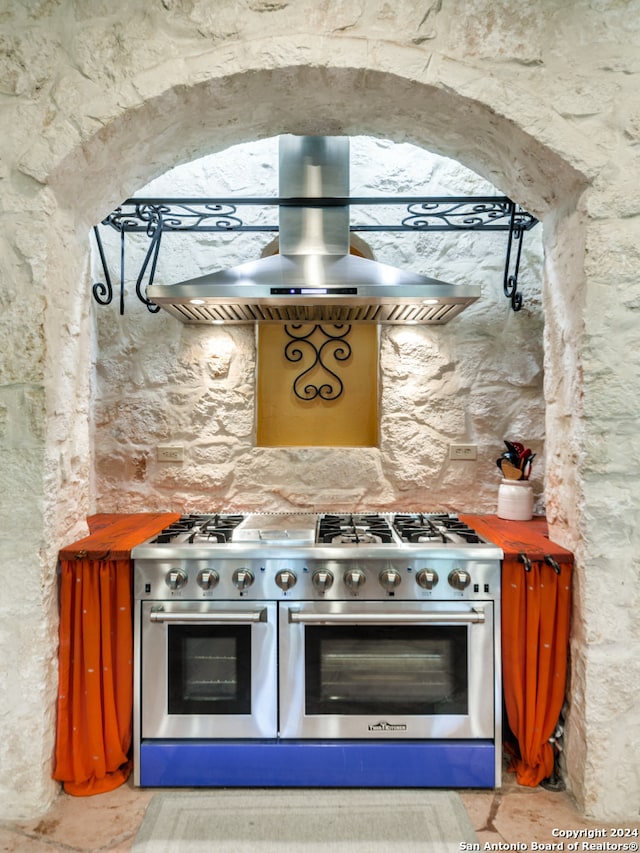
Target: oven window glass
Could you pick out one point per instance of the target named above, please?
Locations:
(209, 669)
(386, 669)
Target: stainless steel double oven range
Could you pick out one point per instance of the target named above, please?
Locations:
(317, 650)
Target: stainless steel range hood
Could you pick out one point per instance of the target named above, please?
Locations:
(314, 278)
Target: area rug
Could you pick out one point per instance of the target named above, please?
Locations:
(304, 820)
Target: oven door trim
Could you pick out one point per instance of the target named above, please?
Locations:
(407, 617)
(220, 617)
(157, 618)
(480, 721)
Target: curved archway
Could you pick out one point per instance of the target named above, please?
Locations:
(444, 111)
(517, 143)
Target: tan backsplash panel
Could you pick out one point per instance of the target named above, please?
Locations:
(349, 420)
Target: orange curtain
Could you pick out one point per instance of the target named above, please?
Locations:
(535, 638)
(95, 690)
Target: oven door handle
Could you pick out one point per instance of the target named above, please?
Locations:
(409, 617)
(237, 617)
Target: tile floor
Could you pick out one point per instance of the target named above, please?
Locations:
(108, 822)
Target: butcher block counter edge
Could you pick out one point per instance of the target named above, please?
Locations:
(113, 535)
(519, 537)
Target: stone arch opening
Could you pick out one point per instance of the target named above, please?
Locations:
(187, 120)
(190, 119)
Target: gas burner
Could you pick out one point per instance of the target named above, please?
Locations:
(199, 528)
(353, 536)
(456, 529)
(218, 528)
(353, 530)
(184, 524)
(421, 527)
(417, 528)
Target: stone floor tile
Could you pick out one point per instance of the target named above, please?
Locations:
(109, 822)
(106, 822)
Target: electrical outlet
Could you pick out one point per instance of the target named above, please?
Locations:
(170, 453)
(463, 452)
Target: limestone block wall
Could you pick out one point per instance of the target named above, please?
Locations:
(476, 380)
(95, 101)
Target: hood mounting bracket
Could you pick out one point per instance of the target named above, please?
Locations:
(155, 217)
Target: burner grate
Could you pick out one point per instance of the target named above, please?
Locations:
(421, 527)
(218, 528)
(194, 527)
(353, 529)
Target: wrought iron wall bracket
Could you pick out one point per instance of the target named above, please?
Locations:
(156, 217)
(510, 283)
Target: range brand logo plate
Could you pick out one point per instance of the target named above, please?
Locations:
(384, 726)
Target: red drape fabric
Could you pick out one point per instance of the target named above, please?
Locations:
(536, 615)
(535, 638)
(95, 676)
(95, 657)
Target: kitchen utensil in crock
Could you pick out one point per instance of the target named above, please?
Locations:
(511, 471)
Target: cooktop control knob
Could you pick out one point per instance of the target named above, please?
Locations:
(176, 579)
(286, 579)
(427, 578)
(208, 579)
(389, 579)
(459, 579)
(242, 578)
(322, 580)
(354, 579)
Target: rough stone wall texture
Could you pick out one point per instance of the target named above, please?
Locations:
(541, 101)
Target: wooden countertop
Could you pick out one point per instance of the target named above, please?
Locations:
(113, 535)
(519, 537)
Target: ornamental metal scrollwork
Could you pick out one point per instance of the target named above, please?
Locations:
(156, 217)
(458, 214)
(176, 215)
(102, 290)
(510, 282)
(335, 345)
(155, 228)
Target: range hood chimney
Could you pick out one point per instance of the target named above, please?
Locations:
(314, 278)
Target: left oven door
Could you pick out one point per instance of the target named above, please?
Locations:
(208, 669)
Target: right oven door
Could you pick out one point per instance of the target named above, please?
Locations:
(387, 670)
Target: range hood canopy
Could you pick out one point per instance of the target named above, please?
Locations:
(314, 278)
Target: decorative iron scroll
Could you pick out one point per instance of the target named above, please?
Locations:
(464, 215)
(434, 213)
(102, 291)
(153, 226)
(156, 217)
(335, 345)
(175, 215)
(510, 284)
